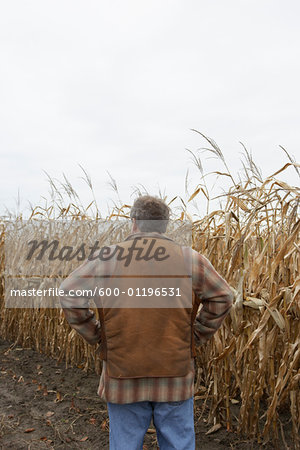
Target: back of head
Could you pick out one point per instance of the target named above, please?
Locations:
(151, 214)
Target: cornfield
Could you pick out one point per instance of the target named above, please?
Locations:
(253, 241)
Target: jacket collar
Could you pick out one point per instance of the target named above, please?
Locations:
(149, 234)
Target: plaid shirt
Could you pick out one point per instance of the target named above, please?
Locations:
(216, 298)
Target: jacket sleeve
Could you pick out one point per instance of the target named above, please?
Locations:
(79, 287)
(215, 295)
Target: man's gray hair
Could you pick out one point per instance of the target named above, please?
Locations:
(151, 213)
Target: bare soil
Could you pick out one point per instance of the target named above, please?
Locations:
(44, 405)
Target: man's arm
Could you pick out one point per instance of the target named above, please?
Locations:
(75, 304)
(216, 298)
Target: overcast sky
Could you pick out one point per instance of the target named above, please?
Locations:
(116, 86)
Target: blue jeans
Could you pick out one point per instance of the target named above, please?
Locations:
(174, 423)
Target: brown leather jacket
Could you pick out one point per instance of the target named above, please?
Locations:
(148, 335)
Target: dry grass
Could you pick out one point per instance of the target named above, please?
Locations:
(253, 241)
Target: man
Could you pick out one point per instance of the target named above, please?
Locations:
(148, 349)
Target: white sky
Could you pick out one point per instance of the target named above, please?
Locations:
(116, 86)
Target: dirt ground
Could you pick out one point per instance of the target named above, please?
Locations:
(43, 405)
